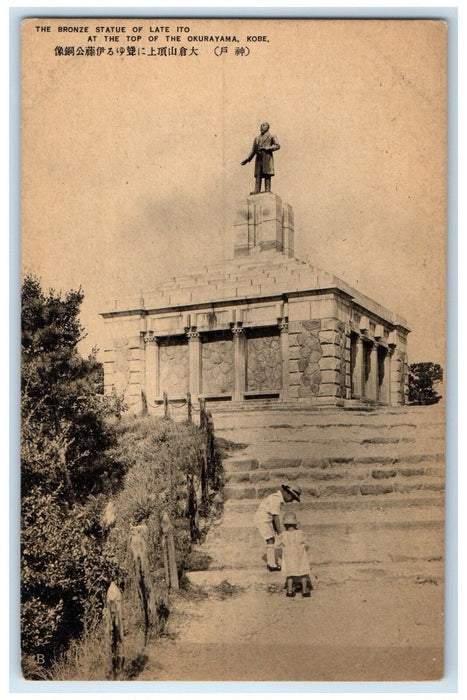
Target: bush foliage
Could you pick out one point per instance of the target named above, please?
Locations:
(87, 476)
(68, 463)
(423, 378)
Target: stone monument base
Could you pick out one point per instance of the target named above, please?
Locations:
(263, 327)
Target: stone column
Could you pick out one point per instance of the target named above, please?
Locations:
(386, 388)
(239, 342)
(358, 369)
(151, 348)
(285, 354)
(194, 362)
(373, 378)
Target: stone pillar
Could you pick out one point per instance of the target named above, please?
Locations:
(404, 392)
(285, 354)
(357, 380)
(151, 348)
(394, 394)
(194, 362)
(373, 378)
(239, 343)
(386, 388)
(347, 362)
(136, 373)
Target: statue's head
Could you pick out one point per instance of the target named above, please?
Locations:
(264, 127)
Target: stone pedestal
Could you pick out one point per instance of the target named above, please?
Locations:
(263, 222)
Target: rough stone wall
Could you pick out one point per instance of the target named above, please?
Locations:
(403, 377)
(305, 355)
(264, 366)
(173, 369)
(217, 366)
(399, 378)
(335, 361)
(342, 388)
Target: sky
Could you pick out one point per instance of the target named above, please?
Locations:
(131, 164)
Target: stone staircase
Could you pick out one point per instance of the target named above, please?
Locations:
(372, 485)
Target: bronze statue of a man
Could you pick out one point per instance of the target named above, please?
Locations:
(263, 147)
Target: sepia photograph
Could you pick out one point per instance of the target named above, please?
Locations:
(233, 349)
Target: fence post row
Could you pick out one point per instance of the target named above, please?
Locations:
(139, 543)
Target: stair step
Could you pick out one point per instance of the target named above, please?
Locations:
(318, 489)
(240, 464)
(339, 450)
(420, 571)
(244, 546)
(316, 529)
(362, 433)
(334, 472)
(225, 412)
(418, 499)
(356, 519)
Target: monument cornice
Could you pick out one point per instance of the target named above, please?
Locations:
(389, 319)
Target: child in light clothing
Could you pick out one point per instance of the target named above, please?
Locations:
(295, 563)
(267, 519)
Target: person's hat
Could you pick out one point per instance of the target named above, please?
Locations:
(290, 519)
(294, 491)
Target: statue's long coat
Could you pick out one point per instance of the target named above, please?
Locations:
(264, 164)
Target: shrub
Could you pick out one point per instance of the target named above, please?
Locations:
(423, 378)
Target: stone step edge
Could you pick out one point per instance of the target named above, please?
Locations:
(245, 463)
(324, 574)
(410, 433)
(261, 476)
(426, 427)
(377, 488)
(413, 499)
(346, 528)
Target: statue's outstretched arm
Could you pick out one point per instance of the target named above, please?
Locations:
(252, 154)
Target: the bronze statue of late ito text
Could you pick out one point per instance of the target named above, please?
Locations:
(263, 147)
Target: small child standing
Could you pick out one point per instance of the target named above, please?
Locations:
(295, 563)
(267, 519)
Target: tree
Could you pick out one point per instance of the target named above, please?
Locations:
(423, 378)
(60, 407)
(68, 461)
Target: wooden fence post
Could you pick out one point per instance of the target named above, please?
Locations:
(202, 412)
(189, 407)
(192, 509)
(204, 483)
(114, 625)
(210, 446)
(168, 545)
(139, 539)
(166, 405)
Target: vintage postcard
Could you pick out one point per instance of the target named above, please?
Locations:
(233, 349)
